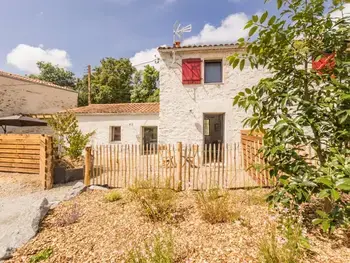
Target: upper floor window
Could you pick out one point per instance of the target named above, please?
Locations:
(116, 134)
(213, 71)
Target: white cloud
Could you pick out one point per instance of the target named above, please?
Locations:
(145, 57)
(231, 29)
(25, 57)
(346, 11)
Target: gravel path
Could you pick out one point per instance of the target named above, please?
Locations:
(19, 196)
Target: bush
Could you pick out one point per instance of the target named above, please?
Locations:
(215, 208)
(159, 250)
(112, 196)
(70, 217)
(68, 138)
(42, 255)
(157, 204)
(289, 247)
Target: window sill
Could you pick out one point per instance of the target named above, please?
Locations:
(214, 83)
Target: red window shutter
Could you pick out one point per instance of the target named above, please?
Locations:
(192, 71)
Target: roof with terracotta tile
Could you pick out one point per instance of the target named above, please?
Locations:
(36, 81)
(122, 108)
(216, 46)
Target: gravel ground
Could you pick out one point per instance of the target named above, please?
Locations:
(16, 184)
(105, 232)
(18, 193)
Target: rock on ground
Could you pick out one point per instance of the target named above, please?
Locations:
(21, 213)
(77, 189)
(21, 226)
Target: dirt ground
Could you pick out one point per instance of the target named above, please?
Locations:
(105, 232)
(14, 184)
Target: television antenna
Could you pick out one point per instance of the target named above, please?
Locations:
(178, 31)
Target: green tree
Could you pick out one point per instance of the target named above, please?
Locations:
(146, 85)
(55, 74)
(111, 82)
(301, 106)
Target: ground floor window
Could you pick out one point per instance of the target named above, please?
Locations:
(116, 135)
(150, 138)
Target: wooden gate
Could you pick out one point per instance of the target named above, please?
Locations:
(27, 153)
(253, 161)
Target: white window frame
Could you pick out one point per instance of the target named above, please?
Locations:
(222, 71)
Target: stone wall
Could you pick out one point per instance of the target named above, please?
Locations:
(182, 106)
(24, 97)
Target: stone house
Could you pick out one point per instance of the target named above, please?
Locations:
(23, 95)
(197, 86)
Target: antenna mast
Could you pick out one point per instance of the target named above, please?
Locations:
(178, 32)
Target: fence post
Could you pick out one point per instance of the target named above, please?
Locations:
(87, 173)
(179, 165)
(46, 163)
(42, 161)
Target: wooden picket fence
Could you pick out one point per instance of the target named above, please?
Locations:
(29, 154)
(177, 166)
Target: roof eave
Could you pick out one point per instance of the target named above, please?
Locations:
(199, 48)
(38, 83)
(112, 113)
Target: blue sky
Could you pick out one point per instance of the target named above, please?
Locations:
(75, 33)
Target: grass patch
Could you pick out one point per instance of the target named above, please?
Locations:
(215, 207)
(42, 255)
(159, 250)
(284, 245)
(71, 216)
(112, 196)
(156, 204)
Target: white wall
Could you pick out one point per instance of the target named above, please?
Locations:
(182, 106)
(131, 126)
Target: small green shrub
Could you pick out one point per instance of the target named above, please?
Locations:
(42, 255)
(68, 138)
(157, 204)
(215, 208)
(112, 196)
(159, 250)
(285, 246)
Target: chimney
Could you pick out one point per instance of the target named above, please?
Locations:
(177, 44)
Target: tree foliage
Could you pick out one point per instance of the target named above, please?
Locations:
(55, 74)
(297, 106)
(68, 138)
(146, 85)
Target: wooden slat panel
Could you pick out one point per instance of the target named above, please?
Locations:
(10, 160)
(22, 165)
(20, 156)
(20, 136)
(14, 151)
(19, 170)
(20, 146)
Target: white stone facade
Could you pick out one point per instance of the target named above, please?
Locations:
(131, 126)
(182, 106)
